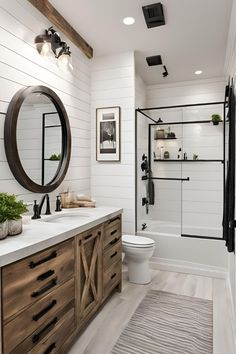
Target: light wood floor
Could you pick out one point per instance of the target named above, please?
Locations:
(104, 330)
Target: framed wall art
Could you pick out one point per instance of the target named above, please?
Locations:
(108, 134)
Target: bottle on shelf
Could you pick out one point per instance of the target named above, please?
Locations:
(185, 156)
(162, 152)
(179, 156)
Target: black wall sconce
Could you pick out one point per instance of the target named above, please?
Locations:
(50, 44)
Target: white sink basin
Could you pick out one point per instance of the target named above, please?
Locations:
(74, 218)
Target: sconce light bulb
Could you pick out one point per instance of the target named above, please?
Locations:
(65, 63)
(46, 49)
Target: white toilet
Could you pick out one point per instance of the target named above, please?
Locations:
(138, 251)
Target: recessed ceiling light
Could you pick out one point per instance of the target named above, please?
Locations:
(128, 21)
(198, 72)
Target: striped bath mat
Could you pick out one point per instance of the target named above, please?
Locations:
(166, 323)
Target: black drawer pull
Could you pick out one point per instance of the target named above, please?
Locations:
(50, 348)
(114, 241)
(113, 232)
(46, 275)
(45, 330)
(87, 237)
(44, 311)
(113, 255)
(113, 275)
(43, 290)
(110, 221)
(44, 260)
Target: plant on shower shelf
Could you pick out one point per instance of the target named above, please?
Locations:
(55, 157)
(170, 134)
(216, 118)
(11, 210)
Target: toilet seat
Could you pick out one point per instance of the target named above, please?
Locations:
(137, 241)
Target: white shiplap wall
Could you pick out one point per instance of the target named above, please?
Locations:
(197, 91)
(142, 142)
(21, 66)
(112, 183)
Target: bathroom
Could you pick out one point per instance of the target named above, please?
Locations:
(111, 77)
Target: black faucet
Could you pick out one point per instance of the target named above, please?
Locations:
(48, 212)
(144, 226)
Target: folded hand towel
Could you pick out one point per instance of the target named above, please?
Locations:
(84, 198)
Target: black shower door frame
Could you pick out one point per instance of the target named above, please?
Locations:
(144, 111)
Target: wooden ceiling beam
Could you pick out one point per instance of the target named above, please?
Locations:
(49, 11)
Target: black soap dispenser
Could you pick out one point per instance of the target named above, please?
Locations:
(36, 211)
(58, 203)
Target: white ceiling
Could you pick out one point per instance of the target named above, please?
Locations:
(194, 37)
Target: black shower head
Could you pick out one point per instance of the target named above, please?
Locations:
(165, 72)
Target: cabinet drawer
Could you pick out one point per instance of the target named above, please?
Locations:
(21, 327)
(112, 277)
(112, 255)
(55, 343)
(29, 280)
(35, 342)
(112, 233)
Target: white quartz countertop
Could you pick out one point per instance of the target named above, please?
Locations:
(49, 230)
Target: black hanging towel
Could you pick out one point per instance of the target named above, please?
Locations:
(229, 200)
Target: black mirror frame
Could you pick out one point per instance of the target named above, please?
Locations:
(10, 140)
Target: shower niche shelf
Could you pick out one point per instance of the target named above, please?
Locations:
(175, 160)
(165, 138)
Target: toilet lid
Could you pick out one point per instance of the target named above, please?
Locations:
(137, 241)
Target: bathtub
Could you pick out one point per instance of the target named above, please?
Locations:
(164, 228)
(171, 247)
(160, 228)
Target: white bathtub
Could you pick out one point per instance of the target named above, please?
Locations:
(164, 228)
(170, 246)
(160, 228)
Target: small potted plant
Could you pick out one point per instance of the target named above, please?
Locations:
(13, 209)
(170, 134)
(55, 157)
(3, 218)
(216, 118)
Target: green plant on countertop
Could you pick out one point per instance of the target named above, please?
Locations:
(10, 207)
(195, 157)
(55, 157)
(216, 118)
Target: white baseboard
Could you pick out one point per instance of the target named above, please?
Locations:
(179, 266)
(232, 310)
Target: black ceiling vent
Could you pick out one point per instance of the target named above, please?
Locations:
(154, 60)
(154, 15)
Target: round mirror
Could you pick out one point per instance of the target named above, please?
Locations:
(37, 139)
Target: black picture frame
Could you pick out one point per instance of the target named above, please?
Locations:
(108, 134)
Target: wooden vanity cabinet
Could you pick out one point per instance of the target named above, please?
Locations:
(47, 298)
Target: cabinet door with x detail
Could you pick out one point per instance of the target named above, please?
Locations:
(89, 273)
